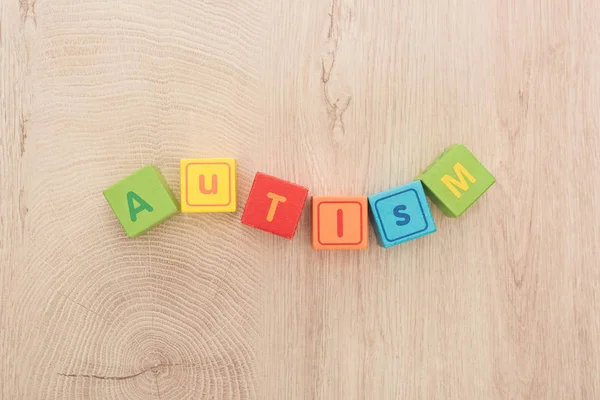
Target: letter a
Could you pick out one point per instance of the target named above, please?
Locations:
(133, 210)
(276, 199)
(462, 184)
(213, 188)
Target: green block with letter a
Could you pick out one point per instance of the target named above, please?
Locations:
(142, 200)
(455, 180)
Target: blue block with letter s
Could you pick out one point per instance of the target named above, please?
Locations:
(401, 214)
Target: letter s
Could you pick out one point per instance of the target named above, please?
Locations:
(404, 218)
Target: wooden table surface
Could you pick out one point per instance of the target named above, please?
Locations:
(347, 98)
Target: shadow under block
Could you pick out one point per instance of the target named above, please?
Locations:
(141, 200)
(274, 205)
(340, 223)
(401, 214)
(455, 180)
(208, 185)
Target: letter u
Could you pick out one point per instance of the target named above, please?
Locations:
(213, 188)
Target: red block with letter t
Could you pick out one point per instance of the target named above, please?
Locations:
(274, 205)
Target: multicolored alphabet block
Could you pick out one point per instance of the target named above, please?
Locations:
(340, 222)
(208, 185)
(141, 200)
(455, 180)
(274, 205)
(401, 214)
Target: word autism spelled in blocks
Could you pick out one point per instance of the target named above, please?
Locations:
(141, 200)
(274, 205)
(340, 223)
(455, 180)
(208, 185)
(401, 214)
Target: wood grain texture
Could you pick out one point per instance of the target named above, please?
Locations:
(345, 97)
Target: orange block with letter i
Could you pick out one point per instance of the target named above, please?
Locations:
(208, 185)
(340, 222)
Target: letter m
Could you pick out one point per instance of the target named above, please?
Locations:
(461, 183)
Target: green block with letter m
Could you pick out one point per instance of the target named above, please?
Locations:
(455, 180)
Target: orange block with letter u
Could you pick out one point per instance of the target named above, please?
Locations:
(208, 185)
